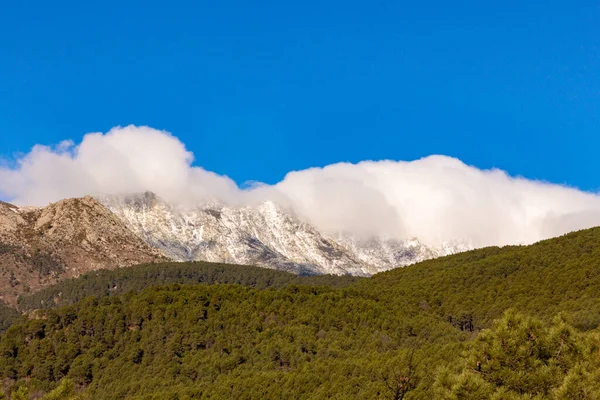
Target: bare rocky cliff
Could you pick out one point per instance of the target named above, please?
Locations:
(39, 246)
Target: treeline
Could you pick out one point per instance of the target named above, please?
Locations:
(115, 282)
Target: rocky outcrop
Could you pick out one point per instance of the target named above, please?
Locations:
(39, 246)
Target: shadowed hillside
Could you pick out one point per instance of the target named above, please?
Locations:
(114, 282)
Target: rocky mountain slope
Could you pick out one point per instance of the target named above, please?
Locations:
(266, 235)
(39, 246)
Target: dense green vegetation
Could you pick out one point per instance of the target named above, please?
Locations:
(521, 358)
(420, 332)
(226, 340)
(544, 279)
(7, 316)
(115, 282)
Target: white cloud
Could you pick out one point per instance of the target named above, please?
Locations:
(436, 198)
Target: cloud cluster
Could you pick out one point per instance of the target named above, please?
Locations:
(436, 198)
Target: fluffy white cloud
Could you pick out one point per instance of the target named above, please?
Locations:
(129, 159)
(436, 198)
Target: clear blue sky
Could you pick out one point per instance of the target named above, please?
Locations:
(256, 89)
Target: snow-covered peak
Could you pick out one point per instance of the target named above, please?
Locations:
(265, 234)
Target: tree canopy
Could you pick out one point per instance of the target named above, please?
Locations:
(504, 323)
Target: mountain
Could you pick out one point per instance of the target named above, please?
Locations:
(39, 246)
(420, 332)
(265, 235)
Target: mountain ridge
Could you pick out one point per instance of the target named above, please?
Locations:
(40, 246)
(267, 235)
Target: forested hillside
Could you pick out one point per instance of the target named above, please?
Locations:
(115, 282)
(7, 316)
(552, 276)
(421, 332)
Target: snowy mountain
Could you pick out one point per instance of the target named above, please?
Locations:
(265, 235)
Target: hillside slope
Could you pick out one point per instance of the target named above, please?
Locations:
(39, 246)
(560, 274)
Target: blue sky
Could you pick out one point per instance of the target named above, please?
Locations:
(257, 89)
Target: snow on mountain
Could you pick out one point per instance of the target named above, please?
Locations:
(265, 235)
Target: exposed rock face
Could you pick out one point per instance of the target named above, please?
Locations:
(39, 246)
(265, 235)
